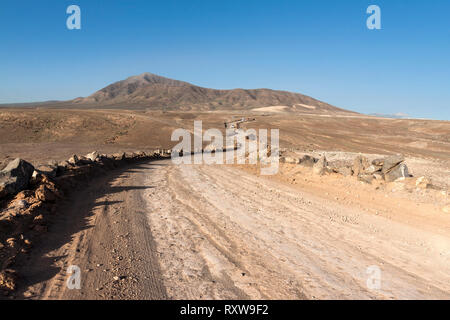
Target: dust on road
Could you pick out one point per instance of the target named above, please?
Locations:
(218, 232)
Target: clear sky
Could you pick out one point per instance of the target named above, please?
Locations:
(315, 47)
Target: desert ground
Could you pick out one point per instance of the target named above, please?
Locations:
(162, 231)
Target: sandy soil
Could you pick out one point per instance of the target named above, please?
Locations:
(160, 231)
(103, 230)
(213, 232)
(40, 135)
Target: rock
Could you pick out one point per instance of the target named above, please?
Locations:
(35, 177)
(290, 160)
(38, 218)
(15, 177)
(345, 171)
(74, 160)
(24, 195)
(129, 155)
(63, 165)
(52, 163)
(360, 164)
(320, 166)
(423, 183)
(45, 194)
(367, 178)
(372, 169)
(84, 161)
(21, 204)
(119, 156)
(308, 161)
(47, 170)
(378, 162)
(11, 242)
(399, 171)
(8, 280)
(391, 162)
(378, 176)
(93, 156)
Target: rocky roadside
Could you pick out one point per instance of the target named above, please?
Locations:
(389, 169)
(388, 173)
(29, 199)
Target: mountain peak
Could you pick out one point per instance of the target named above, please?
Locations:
(151, 78)
(148, 90)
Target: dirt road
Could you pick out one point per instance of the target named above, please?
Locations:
(161, 231)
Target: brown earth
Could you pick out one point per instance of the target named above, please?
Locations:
(149, 91)
(225, 232)
(42, 134)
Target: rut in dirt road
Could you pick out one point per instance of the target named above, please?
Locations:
(157, 231)
(222, 233)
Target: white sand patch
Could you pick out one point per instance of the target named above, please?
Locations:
(272, 109)
(304, 106)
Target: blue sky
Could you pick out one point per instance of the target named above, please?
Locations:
(319, 48)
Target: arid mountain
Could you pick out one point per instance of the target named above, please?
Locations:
(151, 91)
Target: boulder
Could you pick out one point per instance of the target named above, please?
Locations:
(83, 161)
(345, 171)
(63, 164)
(47, 170)
(21, 204)
(119, 156)
(129, 155)
(423, 183)
(320, 166)
(391, 162)
(93, 156)
(45, 194)
(372, 169)
(360, 164)
(378, 162)
(399, 171)
(15, 177)
(8, 280)
(366, 178)
(74, 160)
(307, 161)
(53, 163)
(378, 176)
(290, 160)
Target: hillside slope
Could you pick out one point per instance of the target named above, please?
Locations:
(151, 91)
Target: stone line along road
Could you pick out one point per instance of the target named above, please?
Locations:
(158, 231)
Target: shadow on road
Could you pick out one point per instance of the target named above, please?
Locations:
(73, 216)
